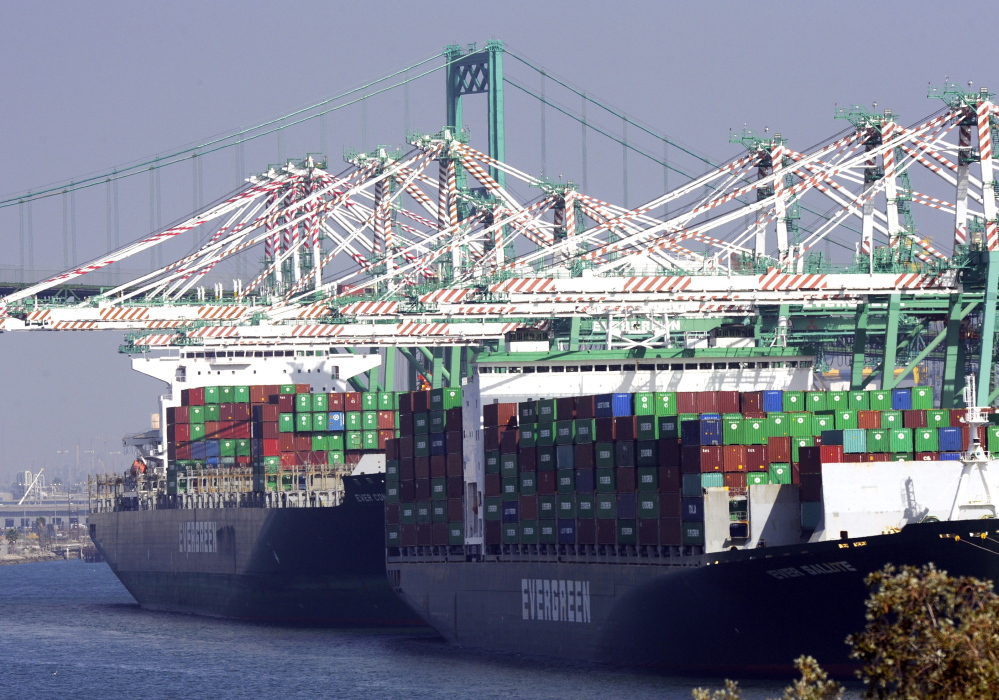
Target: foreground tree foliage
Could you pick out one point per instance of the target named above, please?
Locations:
(929, 636)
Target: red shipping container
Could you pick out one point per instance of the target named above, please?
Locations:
(303, 443)
(606, 532)
(270, 448)
(728, 402)
(796, 472)
(454, 442)
(424, 534)
(269, 430)
(712, 458)
(386, 420)
(707, 402)
(811, 487)
(648, 533)
(869, 420)
(690, 459)
(286, 441)
(670, 480)
(213, 430)
(392, 514)
(508, 440)
(243, 460)
(669, 453)
(927, 456)
(227, 412)
(289, 459)
(586, 407)
(757, 458)
(914, 419)
(352, 401)
(179, 432)
(391, 449)
(604, 429)
(853, 457)
(670, 532)
(528, 508)
(240, 431)
(752, 402)
(494, 532)
(565, 409)
(302, 388)
(586, 532)
(181, 414)
(406, 423)
(421, 467)
(195, 397)
(455, 486)
(407, 491)
(183, 452)
(241, 411)
(453, 421)
(493, 486)
(421, 401)
(499, 414)
(286, 403)
(455, 510)
(491, 438)
(734, 458)
(383, 437)
(438, 466)
(754, 414)
(957, 417)
(454, 465)
(422, 489)
(258, 394)
(779, 449)
(273, 391)
(407, 469)
(527, 457)
(405, 402)
(583, 457)
(352, 457)
(830, 454)
(625, 428)
(686, 402)
(626, 479)
(318, 458)
(267, 413)
(546, 483)
(335, 402)
(735, 480)
(438, 537)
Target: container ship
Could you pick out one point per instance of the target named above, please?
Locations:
(256, 500)
(696, 510)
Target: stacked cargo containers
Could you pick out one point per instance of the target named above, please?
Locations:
(424, 483)
(276, 432)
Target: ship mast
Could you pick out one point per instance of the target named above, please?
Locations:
(976, 460)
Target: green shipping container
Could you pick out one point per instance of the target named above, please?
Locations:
(438, 420)
(455, 533)
(837, 400)
(438, 489)
(816, 401)
(645, 403)
(388, 401)
(227, 448)
(493, 462)
(511, 533)
(566, 507)
(286, 422)
(303, 403)
(566, 481)
(692, 534)
(287, 389)
(647, 453)
(648, 479)
(757, 478)
(732, 431)
(891, 419)
(528, 436)
(529, 532)
(754, 431)
(585, 506)
(213, 412)
(565, 432)
(926, 440)
(546, 459)
(369, 421)
(392, 491)
(196, 414)
(902, 456)
(938, 419)
(355, 441)
(242, 394)
(900, 439)
(509, 486)
(528, 483)
(369, 401)
(369, 440)
(860, 400)
(800, 425)
(546, 507)
(665, 403)
(794, 401)
(508, 465)
(605, 481)
(648, 427)
(583, 431)
(778, 425)
(606, 506)
(546, 434)
(878, 440)
(713, 480)
(778, 473)
(212, 395)
(320, 402)
(407, 513)
(669, 427)
(880, 401)
(392, 536)
(527, 413)
(243, 447)
(604, 455)
(197, 431)
(992, 439)
(303, 421)
(648, 505)
(547, 532)
(627, 532)
(421, 445)
(822, 421)
(922, 397)
(320, 421)
(799, 442)
(845, 420)
(335, 458)
(494, 508)
(421, 422)
(335, 441)
(438, 511)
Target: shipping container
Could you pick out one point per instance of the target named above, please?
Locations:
(773, 401)
(900, 440)
(793, 402)
(901, 399)
(666, 403)
(859, 401)
(815, 401)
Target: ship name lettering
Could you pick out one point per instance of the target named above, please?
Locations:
(834, 567)
(198, 537)
(369, 497)
(555, 600)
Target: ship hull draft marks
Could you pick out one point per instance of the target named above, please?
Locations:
(751, 612)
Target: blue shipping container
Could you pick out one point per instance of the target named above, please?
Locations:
(584, 481)
(438, 444)
(712, 480)
(198, 450)
(627, 506)
(854, 441)
(511, 511)
(621, 405)
(901, 400)
(710, 416)
(832, 437)
(693, 510)
(950, 439)
(773, 401)
(711, 432)
(212, 448)
(604, 405)
(335, 421)
(212, 461)
(950, 456)
(690, 432)
(567, 532)
(691, 485)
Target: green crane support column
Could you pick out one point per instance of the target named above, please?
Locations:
(480, 70)
(574, 324)
(953, 379)
(438, 371)
(986, 367)
(373, 382)
(859, 349)
(891, 341)
(388, 368)
(454, 370)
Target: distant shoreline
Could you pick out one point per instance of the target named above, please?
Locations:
(28, 558)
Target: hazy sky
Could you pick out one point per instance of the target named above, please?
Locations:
(88, 86)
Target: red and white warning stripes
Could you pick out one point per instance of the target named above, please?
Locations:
(370, 308)
(314, 310)
(124, 313)
(316, 331)
(917, 281)
(221, 312)
(657, 284)
(525, 286)
(448, 296)
(774, 279)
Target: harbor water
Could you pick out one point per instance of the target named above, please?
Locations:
(69, 629)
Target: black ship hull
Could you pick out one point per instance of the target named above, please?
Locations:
(316, 566)
(741, 612)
